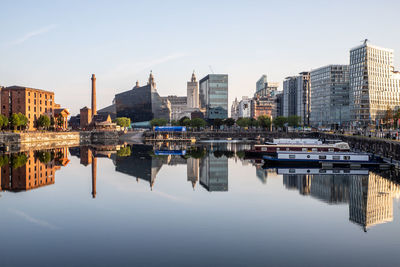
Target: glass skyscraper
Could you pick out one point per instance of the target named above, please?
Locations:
(330, 96)
(214, 96)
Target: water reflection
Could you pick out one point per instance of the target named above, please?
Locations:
(30, 170)
(369, 195)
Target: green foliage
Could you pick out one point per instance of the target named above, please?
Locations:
(240, 154)
(280, 121)
(124, 152)
(3, 121)
(3, 160)
(294, 121)
(43, 121)
(18, 160)
(198, 123)
(229, 122)
(243, 122)
(264, 121)
(218, 122)
(218, 153)
(158, 122)
(184, 121)
(44, 156)
(123, 121)
(197, 152)
(174, 123)
(53, 122)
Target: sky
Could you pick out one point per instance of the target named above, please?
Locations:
(57, 45)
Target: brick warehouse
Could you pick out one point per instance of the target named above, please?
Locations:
(29, 101)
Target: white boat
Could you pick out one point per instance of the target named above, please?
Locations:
(318, 171)
(320, 156)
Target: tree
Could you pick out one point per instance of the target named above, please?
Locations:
(198, 123)
(44, 156)
(388, 116)
(23, 120)
(18, 160)
(174, 123)
(14, 120)
(218, 122)
(3, 160)
(229, 122)
(280, 121)
(183, 120)
(123, 121)
(3, 121)
(294, 121)
(158, 122)
(254, 122)
(264, 121)
(43, 121)
(124, 152)
(243, 122)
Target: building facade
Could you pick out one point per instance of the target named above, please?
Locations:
(296, 97)
(279, 104)
(245, 107)
(142, 104)
(178, 105)
(235, 109)
(374, 85)
(214, 96)
(193, 93)
(261, 85)
(330, 96)
(28, 101)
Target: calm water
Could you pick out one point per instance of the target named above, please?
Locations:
(139, 207)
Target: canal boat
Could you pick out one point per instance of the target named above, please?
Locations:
(294, 158)
(296, 145)
(322, 171)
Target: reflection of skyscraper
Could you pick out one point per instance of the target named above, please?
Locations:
(299, 182)
(214, 173)
(371, 200)
(193, 170)
(330, 188)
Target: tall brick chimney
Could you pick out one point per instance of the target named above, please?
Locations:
(94, 109)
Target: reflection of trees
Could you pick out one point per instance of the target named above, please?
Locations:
(240, 154)
(18, 160)
(3, 160)
(124, 152)
(197, 152)
(44, 156)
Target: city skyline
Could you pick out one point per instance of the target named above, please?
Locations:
(60, 44)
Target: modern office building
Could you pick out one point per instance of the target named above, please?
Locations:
(296, 97)
(330, 96)
(261, 85)
(214, 96)
(279, 104)
(214, 172)
(374, 85)
(193, 92)
(143, 103)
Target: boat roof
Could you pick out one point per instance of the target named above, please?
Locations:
(323, 153)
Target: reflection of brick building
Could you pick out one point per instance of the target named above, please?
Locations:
(30, 102)
(32, 175)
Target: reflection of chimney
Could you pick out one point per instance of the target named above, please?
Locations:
(94, 176)
(94, 110)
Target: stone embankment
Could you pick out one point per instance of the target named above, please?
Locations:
(15, 142)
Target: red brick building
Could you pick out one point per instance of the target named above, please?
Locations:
(28, 101)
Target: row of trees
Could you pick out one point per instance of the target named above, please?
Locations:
(262, 121)
(123, 122)
(20, 121)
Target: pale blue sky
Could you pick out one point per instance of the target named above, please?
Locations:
(57, 45)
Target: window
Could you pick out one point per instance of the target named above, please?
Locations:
(292, 156)
(336, 157)
(322, 157)
(346, 157)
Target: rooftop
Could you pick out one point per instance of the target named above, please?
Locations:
(16, 87)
